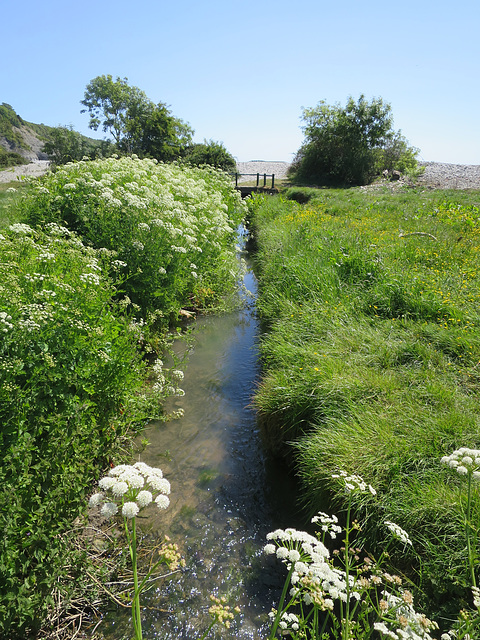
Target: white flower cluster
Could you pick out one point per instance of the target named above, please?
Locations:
(18, 227)
(327, 523)
(398, 532)
(288, 621)
(90, 278)
(404, 623)
(354, 483)
(465, 461)
(5, 323)
(132, 486)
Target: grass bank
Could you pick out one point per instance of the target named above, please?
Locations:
(96, 260)
(371, 361)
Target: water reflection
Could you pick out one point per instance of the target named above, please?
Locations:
(223, 499)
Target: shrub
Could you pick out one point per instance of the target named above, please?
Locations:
(172, 227)
(350, 145)
(71, 377)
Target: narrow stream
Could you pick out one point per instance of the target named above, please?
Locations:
(226, 493)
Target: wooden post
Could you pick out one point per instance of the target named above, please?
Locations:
(273, 181)
(236, 180)
(264, 179)
(258, 178)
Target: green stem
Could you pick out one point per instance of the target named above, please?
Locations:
(208, 630)
(280, 604)
(132, 545)
(468, 528)
(346, 627)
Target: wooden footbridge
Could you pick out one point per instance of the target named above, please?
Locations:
(258, 188)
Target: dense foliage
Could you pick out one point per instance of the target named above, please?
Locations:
(172, 227)
(137, 124)
(64, 145)
(350, 145)
(211, 153)
(371, 362)
(72, 368)
(10, 124)
(70, 376)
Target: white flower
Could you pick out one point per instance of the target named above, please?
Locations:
(269, 549)
(130, 510)
(398, 532)
(119, 489)
(159, 484)
(96, 500)
(162, 501)
(107, 483)
(144, 498)
(293, 555)
(109, 509)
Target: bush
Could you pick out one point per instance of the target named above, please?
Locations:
(349, 145)
(173, 228)
(66, 145)
(211, 153)
(70, 381)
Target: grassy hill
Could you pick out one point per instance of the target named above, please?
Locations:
(22, 141)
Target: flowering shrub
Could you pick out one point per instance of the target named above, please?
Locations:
(132, 487)
(172, 228)
(339, 595)
(71, 386)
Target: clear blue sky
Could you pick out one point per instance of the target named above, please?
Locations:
(240, 72)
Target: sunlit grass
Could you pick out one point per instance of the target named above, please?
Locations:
(372, 355)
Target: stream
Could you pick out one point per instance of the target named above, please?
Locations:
(226, 492)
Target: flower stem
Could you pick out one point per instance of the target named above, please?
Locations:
(468, 531)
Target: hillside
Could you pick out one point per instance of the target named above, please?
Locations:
(22, 138)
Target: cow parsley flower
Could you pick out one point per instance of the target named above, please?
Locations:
(130, 510)
(465, 461)
(132, 488)
(398, 532)
(354, 483)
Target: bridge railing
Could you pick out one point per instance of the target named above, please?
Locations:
(258, 176)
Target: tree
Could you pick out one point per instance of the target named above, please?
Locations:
(136, 123)
(212, 153)
(346, 145)
(153, 131)
(67, 145)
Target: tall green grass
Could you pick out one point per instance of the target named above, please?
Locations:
(371, 359)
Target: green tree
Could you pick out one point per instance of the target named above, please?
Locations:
(136, 124)
(347, 145)
(66, 145)
(212, 153)
(152, 131)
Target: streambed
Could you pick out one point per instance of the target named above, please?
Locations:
(226, 492)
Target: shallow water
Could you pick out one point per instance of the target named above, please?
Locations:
(226, 492)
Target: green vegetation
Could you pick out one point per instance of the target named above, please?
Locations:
(10, 122)
(63, 145)
(371, 301)
(136, 123)
(350, 145)
(172, 228)
(73, 371)
(212, 153)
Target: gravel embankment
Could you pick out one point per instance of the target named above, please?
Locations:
(31, 170)
(439, 175)
(442, 175)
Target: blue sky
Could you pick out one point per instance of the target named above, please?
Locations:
(240, 72)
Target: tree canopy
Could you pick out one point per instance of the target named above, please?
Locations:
(212, 153)
(136, 124)
(351, 144)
